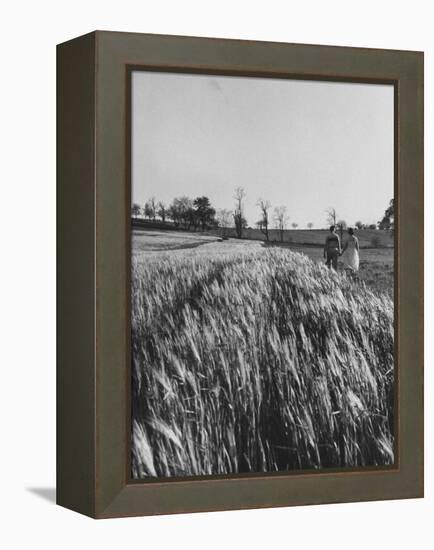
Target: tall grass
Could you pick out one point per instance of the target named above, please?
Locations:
(257, 362)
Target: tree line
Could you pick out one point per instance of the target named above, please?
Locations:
(199, 214)
(184, 212)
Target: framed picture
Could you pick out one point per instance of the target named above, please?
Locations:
(240, 274)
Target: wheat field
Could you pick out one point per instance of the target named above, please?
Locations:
(248, 359)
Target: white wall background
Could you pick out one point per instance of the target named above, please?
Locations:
(29, 32)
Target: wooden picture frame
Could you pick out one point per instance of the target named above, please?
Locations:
(93, 175)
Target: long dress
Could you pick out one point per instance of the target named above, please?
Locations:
(351, 254)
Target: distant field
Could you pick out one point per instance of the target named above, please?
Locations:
(368, 238)
(253, 358)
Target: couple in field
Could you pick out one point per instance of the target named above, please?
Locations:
(350, 250)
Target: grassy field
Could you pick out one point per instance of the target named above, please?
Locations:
(157, 241)
(253, 358)
(376, 265)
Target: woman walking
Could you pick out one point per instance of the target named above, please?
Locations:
(350, 253)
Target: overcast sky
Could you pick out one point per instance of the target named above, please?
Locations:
(304, 144)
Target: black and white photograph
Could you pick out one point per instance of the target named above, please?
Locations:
(262, 275)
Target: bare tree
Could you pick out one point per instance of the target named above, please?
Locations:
(331, 220)
(153, 207)
(341, 226)
(294, 225)
(150, 209)
(224, 218)
(331, 216)
(264, 206)
(239, 219)
(281, 219)
(162, 211)
(147, 210)
(310, 225)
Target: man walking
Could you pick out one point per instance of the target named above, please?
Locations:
(332, 248)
